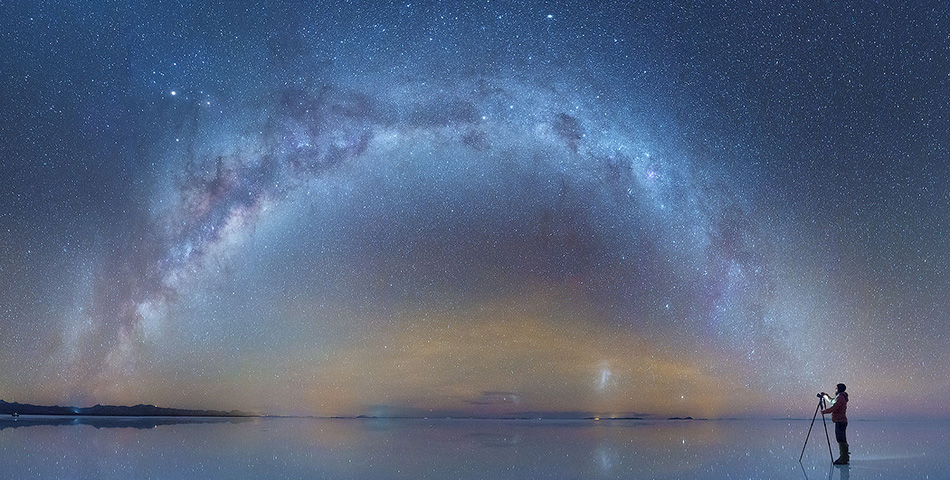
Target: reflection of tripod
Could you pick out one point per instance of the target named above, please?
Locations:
(821, 406)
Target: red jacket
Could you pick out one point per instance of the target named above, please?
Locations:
(838, 408)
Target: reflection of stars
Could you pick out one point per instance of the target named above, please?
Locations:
(606, 458)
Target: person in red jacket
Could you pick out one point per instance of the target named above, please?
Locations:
(838, 408)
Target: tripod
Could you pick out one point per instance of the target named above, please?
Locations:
(821, 406)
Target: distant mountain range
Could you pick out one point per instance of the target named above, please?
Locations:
(7, 408)
(406, 413)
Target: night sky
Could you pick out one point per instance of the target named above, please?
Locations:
(476, 208)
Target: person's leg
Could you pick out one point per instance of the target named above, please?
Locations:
(841, 431)
(844, 440)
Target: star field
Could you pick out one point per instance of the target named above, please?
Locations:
(418, 208)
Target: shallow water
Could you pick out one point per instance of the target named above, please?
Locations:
(121, 448)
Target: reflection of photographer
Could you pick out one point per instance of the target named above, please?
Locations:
(839, 405)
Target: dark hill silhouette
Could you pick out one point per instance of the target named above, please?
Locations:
(7, 408)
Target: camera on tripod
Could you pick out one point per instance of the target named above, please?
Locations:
(821, 405)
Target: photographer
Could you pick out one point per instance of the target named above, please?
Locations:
(839, 405)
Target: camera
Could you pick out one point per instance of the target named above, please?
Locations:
(819, 395)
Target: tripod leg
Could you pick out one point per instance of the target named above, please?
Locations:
(809, 431)
(822, 404)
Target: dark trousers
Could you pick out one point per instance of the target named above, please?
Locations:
(840, 432)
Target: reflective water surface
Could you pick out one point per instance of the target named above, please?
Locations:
(121, 448)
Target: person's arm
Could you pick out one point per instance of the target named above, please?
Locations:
(834, 406)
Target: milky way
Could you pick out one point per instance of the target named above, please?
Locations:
(486, 211)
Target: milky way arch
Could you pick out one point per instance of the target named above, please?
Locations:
(625, 214)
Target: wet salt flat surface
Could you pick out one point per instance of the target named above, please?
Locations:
(57, 447)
